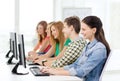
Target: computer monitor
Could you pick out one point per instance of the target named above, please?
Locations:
(13, 48)
(22, 60)
(21, 50)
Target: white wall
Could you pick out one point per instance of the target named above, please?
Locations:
(32, 12)
(6, 23)
(115, 24)
(99, 8)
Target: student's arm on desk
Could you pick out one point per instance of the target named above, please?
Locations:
(59, 56)
(45, 56)
(50, 60)
(50, 52)
(55, 71)
(60, 71)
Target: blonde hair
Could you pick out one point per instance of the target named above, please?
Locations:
(49, 26)
(61, 39)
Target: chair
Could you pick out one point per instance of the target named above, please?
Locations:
(104, 67)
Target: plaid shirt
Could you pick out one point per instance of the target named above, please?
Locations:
(72, 52)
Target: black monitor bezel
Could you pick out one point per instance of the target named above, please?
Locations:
(13, 48)
(21, 47)
(22, 60)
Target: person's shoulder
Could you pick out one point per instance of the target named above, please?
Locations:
(100, 45)
(68, 40)
(46, 39)
(100, 49)
(81, 40)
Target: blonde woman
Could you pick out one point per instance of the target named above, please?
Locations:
(58, 41)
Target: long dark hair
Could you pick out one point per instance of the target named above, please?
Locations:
(95, 22)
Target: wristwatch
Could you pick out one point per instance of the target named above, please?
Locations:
(43, 62)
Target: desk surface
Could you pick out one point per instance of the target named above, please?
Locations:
(6, 75)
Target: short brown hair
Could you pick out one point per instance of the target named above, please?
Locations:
(75, 22)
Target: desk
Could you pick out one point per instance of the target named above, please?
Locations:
(6, 75)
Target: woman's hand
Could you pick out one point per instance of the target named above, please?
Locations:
(55, 71)
(31, 56)
(30, 53)
(38, 61)
(48, 63)
(48, 70)
(44, 69)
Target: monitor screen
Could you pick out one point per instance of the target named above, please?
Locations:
(22, 60)
(10, 44)
(11, 39)
(21, 50)
(13, 48)
(14, 41)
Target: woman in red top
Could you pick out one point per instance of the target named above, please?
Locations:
(43, 45)
(46, 43)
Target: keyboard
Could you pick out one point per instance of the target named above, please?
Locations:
(36, 71)
(31, 63)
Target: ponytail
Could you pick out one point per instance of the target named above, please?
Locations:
(101, 37)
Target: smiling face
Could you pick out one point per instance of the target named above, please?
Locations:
(55, 32)
(40, 30)
(87, 32)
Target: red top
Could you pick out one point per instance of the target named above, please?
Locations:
(40, 43)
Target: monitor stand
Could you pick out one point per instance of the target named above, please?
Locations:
(9, 62)
(15, 70)
(7, 55)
